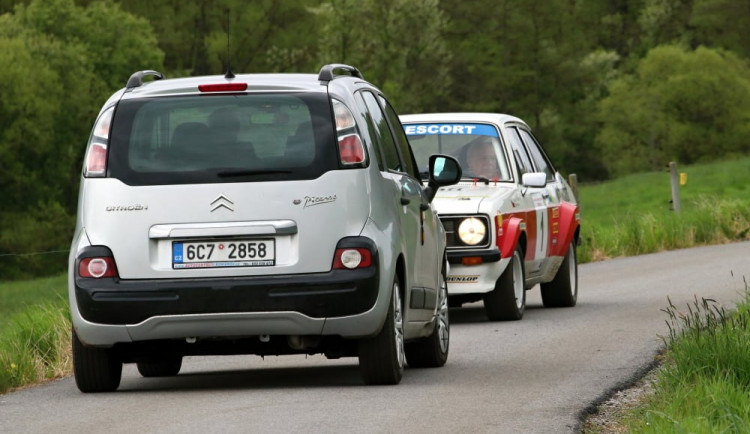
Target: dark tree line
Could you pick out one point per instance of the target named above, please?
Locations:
(610, 87)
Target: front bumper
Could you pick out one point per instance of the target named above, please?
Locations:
(457, 256)
(474, 279)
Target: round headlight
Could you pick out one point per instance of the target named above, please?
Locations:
(472, 231)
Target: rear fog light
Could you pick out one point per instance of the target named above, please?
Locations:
(351, 258)
(97, 267)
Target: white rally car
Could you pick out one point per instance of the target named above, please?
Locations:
(511, 223)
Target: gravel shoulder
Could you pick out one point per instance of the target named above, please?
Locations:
(605, 415)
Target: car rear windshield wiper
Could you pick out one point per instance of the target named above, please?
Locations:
(247, 172)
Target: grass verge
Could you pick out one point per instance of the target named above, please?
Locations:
(703, 382)
(633, 215)
(35, 345)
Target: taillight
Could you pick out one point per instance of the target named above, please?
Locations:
(96, 268)
(351, 148)
(96, 160)
(223, 87)
(96, 154)
(351, 258)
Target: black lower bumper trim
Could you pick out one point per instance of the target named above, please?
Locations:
(486, 255)
(320, 295)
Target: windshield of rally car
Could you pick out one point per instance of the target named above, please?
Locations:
(457, 140)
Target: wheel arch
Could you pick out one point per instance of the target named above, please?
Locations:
(513, 233)
(569, 227)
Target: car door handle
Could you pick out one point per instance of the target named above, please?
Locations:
(405, 201)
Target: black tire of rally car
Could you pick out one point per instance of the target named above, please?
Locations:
(501, 304)
(562, 291)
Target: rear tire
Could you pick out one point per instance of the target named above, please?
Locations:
(562, 291)
(432, 351)
(95, 369)
(381, 358)
(507, 302)
(168, 367)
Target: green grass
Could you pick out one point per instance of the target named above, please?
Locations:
(18, 296)
(34, 331)
(633, 215)
(35, 345)
(704, 382)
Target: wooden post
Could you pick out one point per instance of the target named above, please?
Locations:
(573, 181)
(675, 186)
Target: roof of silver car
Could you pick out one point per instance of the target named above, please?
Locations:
(136, 86)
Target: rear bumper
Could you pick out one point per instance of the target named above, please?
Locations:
(338, 293)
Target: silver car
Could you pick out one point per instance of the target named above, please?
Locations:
(258, 214)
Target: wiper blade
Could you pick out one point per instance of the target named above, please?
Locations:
(247, 172)
(475, 178)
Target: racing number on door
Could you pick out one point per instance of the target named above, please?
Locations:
(542, 235)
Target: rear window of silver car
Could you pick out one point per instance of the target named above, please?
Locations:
(222, 138)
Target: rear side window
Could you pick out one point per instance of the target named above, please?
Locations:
(222, 138)
(402, 142)
(392, 160)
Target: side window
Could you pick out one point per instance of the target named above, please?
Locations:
(523, 162)
(392, 160)
(542, 163)
(402, 142)
(372, 132)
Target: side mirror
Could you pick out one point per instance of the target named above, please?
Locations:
(444, 170)
(536, 179)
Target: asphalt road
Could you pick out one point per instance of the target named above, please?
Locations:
(532, 376)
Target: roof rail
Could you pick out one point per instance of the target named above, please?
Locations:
(136, 79)
(327, 72)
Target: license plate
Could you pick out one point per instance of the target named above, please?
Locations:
(215, 254)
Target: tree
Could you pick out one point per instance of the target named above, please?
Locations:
(721, 24)
(200, 37)
(61, 62)
(524, 58)
(686, 106)
(397, 44)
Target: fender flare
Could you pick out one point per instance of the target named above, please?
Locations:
(569, 222)
(512, 229)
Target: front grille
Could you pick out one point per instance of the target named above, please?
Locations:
(451, 222)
